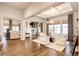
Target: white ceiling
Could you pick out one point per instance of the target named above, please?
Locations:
(74, 5)
(57, 10)
(29, 8)
(24, 5)
(36, 8)
(17, 5)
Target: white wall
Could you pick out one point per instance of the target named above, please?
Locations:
(9, 12)
(1, 28)
(75, 23)
(78, 20)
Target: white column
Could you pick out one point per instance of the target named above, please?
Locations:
(29, 30)
(38, 27)
(45, 26)
(28, 26)
(23, 23)
(53, 28)
(61, 27)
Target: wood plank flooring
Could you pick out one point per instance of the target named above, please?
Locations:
(27, 48)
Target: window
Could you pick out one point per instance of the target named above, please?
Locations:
(15, 28)
(65, 28)
(57, 29)
(5, 28)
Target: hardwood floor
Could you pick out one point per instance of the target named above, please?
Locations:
(27, 48)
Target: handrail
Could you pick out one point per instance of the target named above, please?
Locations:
(76, 44)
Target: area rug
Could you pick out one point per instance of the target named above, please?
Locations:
(53, 45)
(56, 47)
